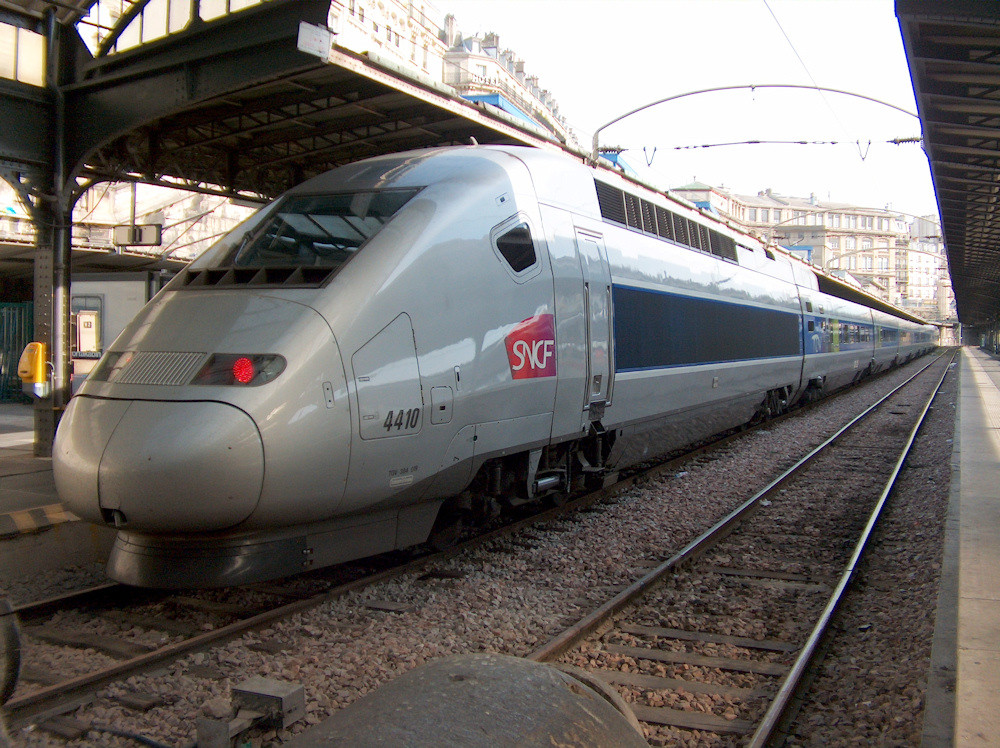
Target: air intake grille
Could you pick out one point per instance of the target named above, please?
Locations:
(299, 276)
(631, 210)
(161, 368)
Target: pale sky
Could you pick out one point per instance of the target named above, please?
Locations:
(602, 58)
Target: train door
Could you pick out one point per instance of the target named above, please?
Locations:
(597, 318)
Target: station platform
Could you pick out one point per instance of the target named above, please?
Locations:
(28, 500)
(963, 694)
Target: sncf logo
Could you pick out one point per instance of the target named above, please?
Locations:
(531, 348)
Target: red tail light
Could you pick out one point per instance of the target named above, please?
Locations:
(247, 370)
(243, 371)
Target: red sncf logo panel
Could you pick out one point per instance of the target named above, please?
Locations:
(531, 348)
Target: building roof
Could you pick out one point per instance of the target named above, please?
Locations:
(67, 11)
(693, 187)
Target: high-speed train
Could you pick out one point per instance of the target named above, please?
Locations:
(413, 340)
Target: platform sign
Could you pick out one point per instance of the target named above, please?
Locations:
(314, 40)
(148, 235)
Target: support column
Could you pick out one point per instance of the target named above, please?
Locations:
(62, 361)
(53, 216)
(42, 215)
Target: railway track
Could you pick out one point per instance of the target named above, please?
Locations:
(161, 627)
(717, 638)
(128, 631)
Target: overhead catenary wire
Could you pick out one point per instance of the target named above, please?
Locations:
(859, 143)
(650, 152)
(595, 147)
(808, 72)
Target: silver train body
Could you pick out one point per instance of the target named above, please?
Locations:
(420, 337)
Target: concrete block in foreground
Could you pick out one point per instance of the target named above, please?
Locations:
(482, 700)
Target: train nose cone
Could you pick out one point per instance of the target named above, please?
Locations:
(166, 466)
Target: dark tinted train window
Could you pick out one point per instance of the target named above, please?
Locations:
(517, 248)
(631, 210)
(706, 242)
(612, 202)
(633, 218)
(694, 235)
(309, 231)
(655, 330)
(723, 245)
(648, 217)
(664, 225)
(681, 233)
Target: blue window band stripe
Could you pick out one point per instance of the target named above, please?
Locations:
(658, 329)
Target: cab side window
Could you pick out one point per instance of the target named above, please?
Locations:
(516, 247)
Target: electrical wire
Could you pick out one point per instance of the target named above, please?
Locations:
(650, 154)
(858, 143)
(805, 67)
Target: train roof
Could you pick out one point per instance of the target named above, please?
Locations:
(553, 185)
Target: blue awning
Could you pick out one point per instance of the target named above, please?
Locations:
(502, 103)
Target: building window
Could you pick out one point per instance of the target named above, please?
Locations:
(866, 243)
(752, 214)
(850, 242)
(834, 242)
(22, 55)
(835, 220)
(867, 222)
(763, 215)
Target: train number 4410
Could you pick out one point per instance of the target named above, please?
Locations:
(400, 420)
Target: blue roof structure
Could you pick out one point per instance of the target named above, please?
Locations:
(501, 102)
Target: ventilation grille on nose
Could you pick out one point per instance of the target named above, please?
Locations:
(161, 368)
(299, 276)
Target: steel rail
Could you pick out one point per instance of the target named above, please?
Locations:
(601, 615)
(791, 681)
(20, 711)
(49, 605)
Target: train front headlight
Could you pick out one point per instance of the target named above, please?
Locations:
(245, 370)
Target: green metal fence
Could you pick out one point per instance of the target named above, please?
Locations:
(17, 325)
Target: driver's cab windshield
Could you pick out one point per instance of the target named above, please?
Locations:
(310, 230)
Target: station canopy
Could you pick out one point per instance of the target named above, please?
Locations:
(953, 51)
(231, 105)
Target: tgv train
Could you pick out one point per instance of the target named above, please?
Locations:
(410, 341)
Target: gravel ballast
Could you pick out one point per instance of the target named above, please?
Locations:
(512, 595)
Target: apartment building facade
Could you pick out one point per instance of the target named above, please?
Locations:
(889, 254)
